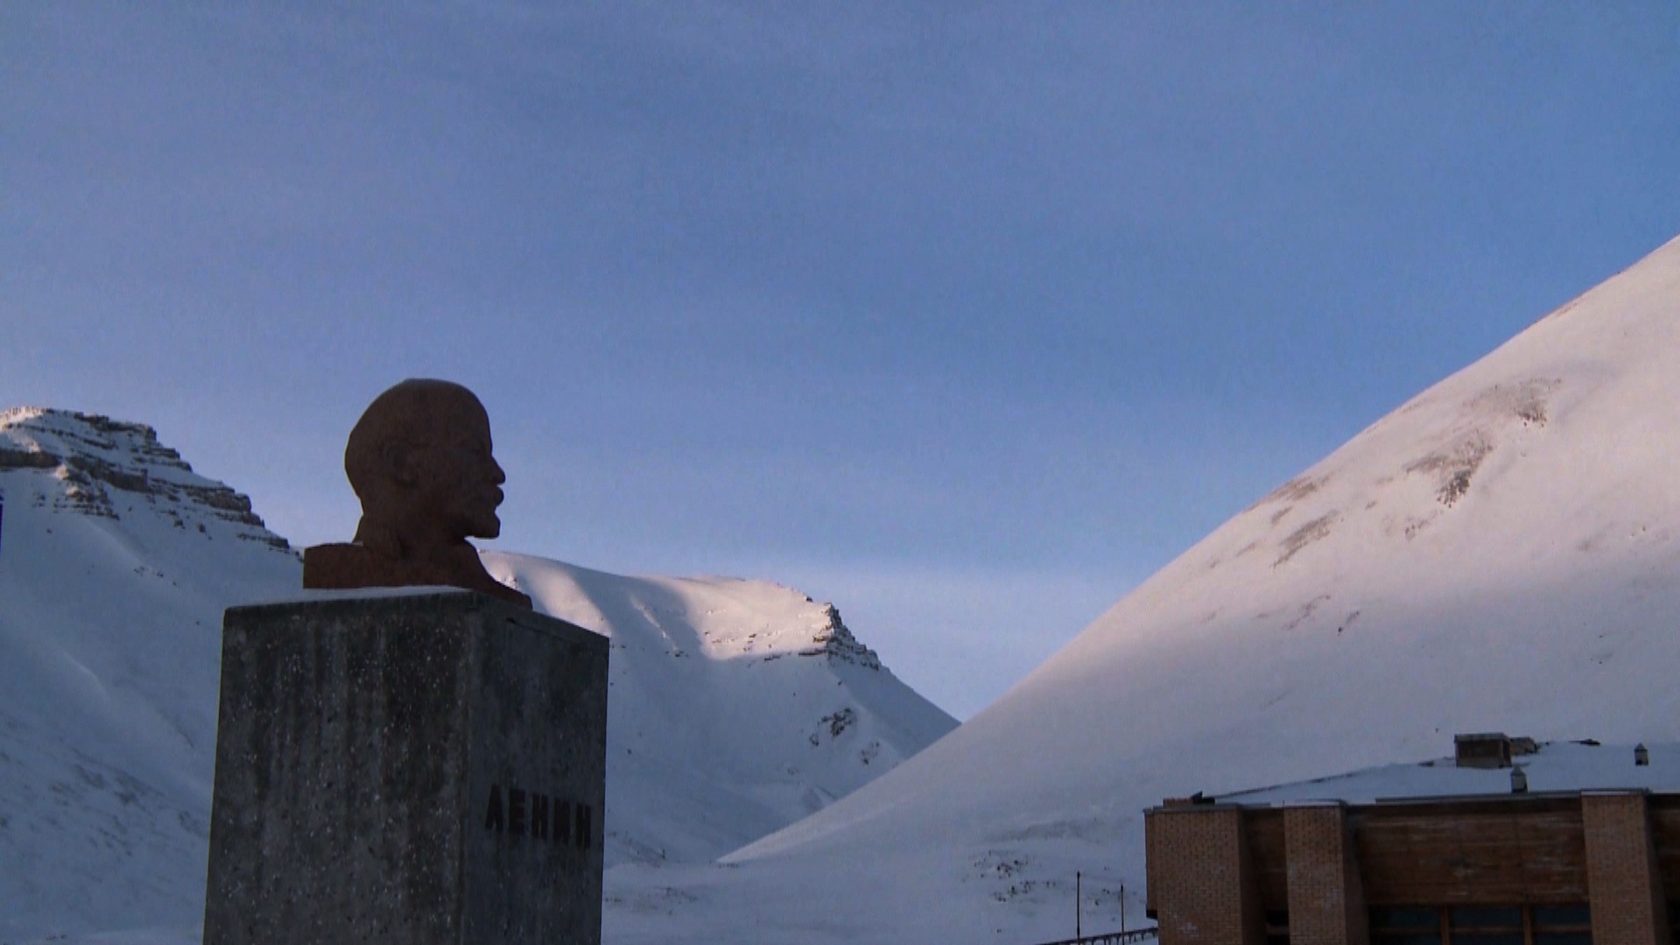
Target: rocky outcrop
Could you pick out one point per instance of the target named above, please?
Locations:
(26, 459)
(834, 641)
(95, 459)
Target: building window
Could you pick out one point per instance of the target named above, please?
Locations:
(1406, 925)
(1561, 925)
(1277, 927)
(1486, 925)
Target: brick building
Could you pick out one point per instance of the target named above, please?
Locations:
(1564, 845)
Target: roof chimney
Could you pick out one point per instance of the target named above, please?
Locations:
(1191, 801)
(1482, 750)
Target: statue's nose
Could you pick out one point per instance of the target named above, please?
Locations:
(497, 474)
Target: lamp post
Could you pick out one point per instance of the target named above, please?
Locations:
(1078, 897)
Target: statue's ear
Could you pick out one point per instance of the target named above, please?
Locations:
(399, 459)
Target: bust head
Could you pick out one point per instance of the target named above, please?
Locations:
(420, 460)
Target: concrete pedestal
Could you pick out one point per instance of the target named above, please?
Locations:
(415, 768)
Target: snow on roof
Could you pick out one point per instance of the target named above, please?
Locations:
(315, 595)
(1555, 767)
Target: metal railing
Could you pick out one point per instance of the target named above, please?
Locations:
(1112, 938)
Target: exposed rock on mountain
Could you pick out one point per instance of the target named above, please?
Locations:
(107, 464)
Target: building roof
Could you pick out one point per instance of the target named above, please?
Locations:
(1554, 767)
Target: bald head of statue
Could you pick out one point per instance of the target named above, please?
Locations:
(420, 461)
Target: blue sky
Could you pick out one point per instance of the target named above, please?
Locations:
(967, 317)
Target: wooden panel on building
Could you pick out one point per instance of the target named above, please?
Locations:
(1508, 852)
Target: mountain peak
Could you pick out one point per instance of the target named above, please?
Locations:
(92, 465)
(835, 641)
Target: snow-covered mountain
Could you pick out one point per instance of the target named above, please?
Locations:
(116, 561)
(1501, 552)
(736, 706)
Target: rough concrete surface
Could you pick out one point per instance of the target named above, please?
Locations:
(417, 769)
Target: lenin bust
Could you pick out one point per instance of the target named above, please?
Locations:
(419, 459)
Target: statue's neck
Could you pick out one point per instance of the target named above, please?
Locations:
(412, 541)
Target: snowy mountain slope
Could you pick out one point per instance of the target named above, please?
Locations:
(1503, 551)
(116, 561)
(736, 708)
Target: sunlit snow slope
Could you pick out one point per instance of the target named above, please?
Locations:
(1502, 552)
(736, 706)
